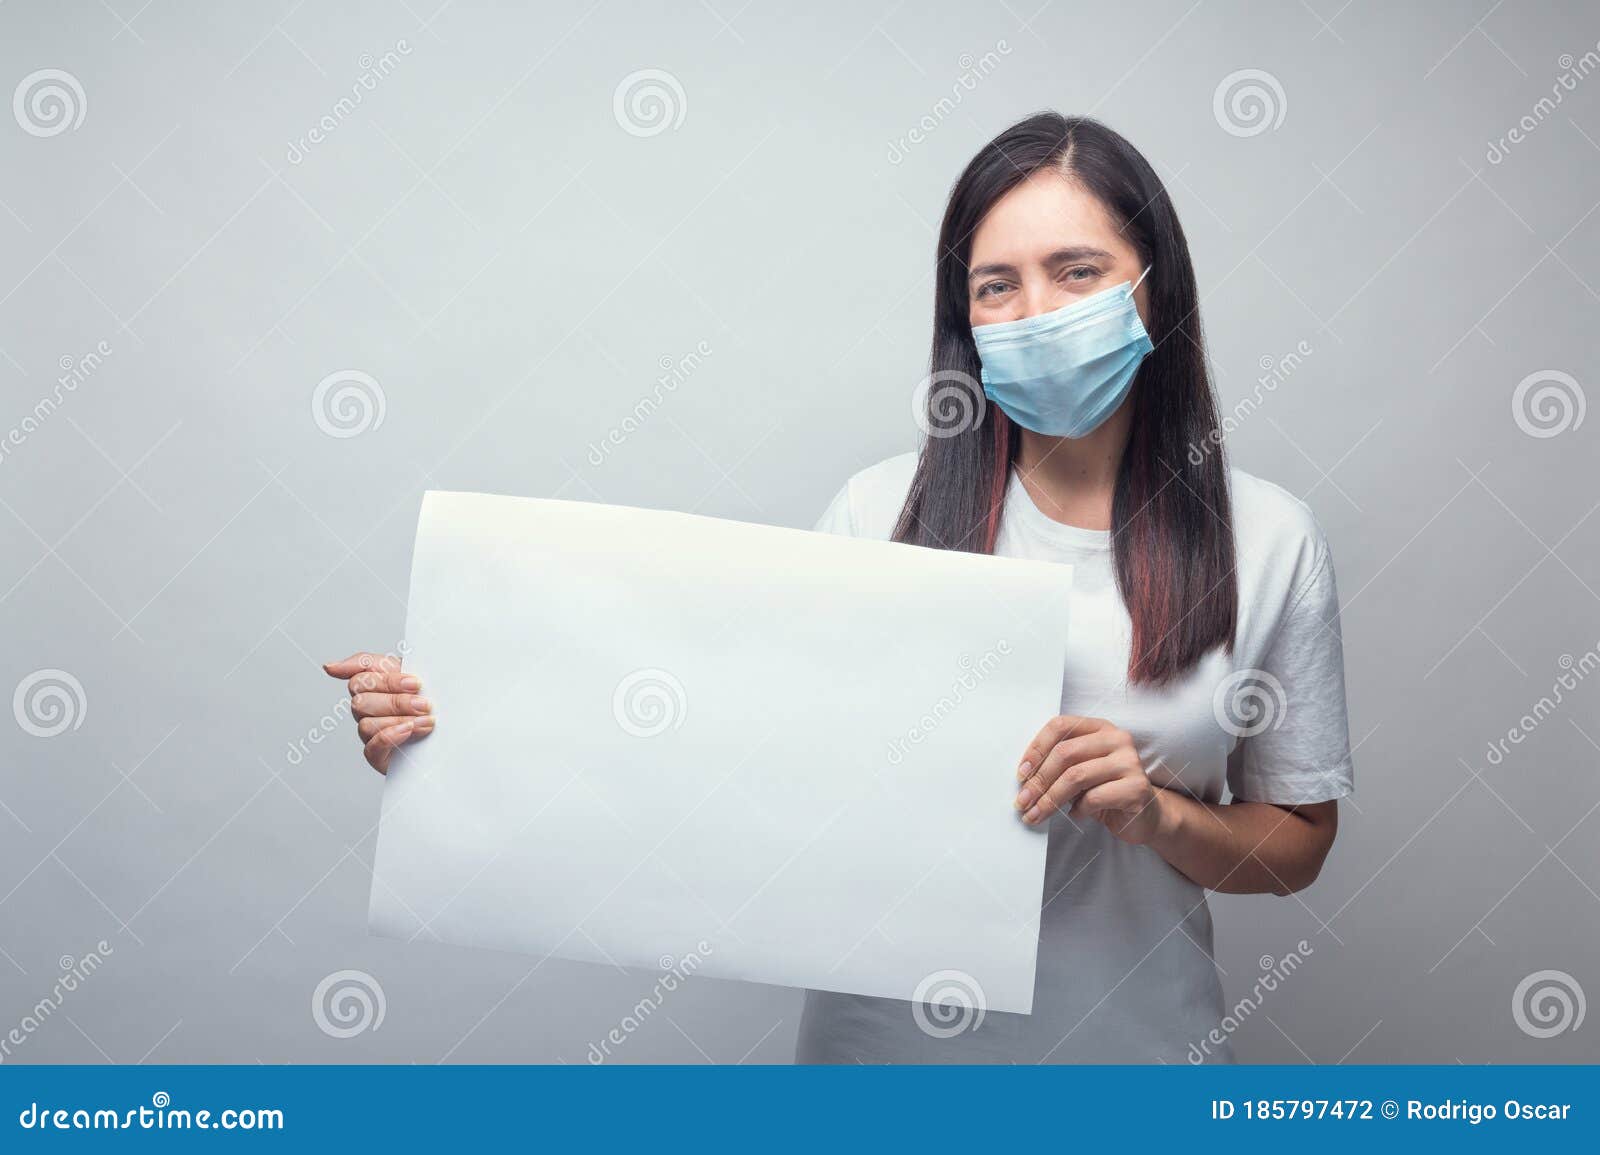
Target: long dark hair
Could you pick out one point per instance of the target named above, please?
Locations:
(1171, 519)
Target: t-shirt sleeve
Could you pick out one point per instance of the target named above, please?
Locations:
(837, 517)
(1295, 743)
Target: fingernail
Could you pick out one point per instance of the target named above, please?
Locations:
(1031, 816)
(409, 683)
(1025, 799)
(421, 705)
(1024, 770)
(423, 723)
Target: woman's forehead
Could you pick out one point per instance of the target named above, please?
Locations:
(1043, 213)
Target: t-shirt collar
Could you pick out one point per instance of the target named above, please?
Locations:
(1022, 511)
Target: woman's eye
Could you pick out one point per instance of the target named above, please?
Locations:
(1082, 273)
(992, 289)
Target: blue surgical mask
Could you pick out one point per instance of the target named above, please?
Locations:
(1063, 373)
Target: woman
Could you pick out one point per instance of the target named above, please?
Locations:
(1204, 656)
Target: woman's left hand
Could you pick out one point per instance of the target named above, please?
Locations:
(1090, 768)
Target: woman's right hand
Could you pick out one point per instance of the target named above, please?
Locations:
(385, 702)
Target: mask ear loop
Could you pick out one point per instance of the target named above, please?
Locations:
(1142, 276)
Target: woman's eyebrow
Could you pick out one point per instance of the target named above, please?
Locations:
(989, 270)
(1076, 253)
(1059, 257)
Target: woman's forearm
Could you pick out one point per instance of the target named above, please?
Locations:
(1244, 847)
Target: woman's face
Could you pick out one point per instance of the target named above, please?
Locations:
(1046, 244)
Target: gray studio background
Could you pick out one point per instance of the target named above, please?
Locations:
(510, 260)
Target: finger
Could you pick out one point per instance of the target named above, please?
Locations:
(387, 679)
(385, 743)
(1055, 730)
(359, 661)
(369, 728)
(386, 705)
(1080, 778)
(1110, 798)
(1069, 753)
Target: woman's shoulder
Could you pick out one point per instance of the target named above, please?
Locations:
(869, 504)
(887, 482)
(1276, 535)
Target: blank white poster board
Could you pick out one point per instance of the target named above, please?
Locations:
(789, 756)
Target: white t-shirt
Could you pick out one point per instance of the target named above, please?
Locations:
(1125, 972)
